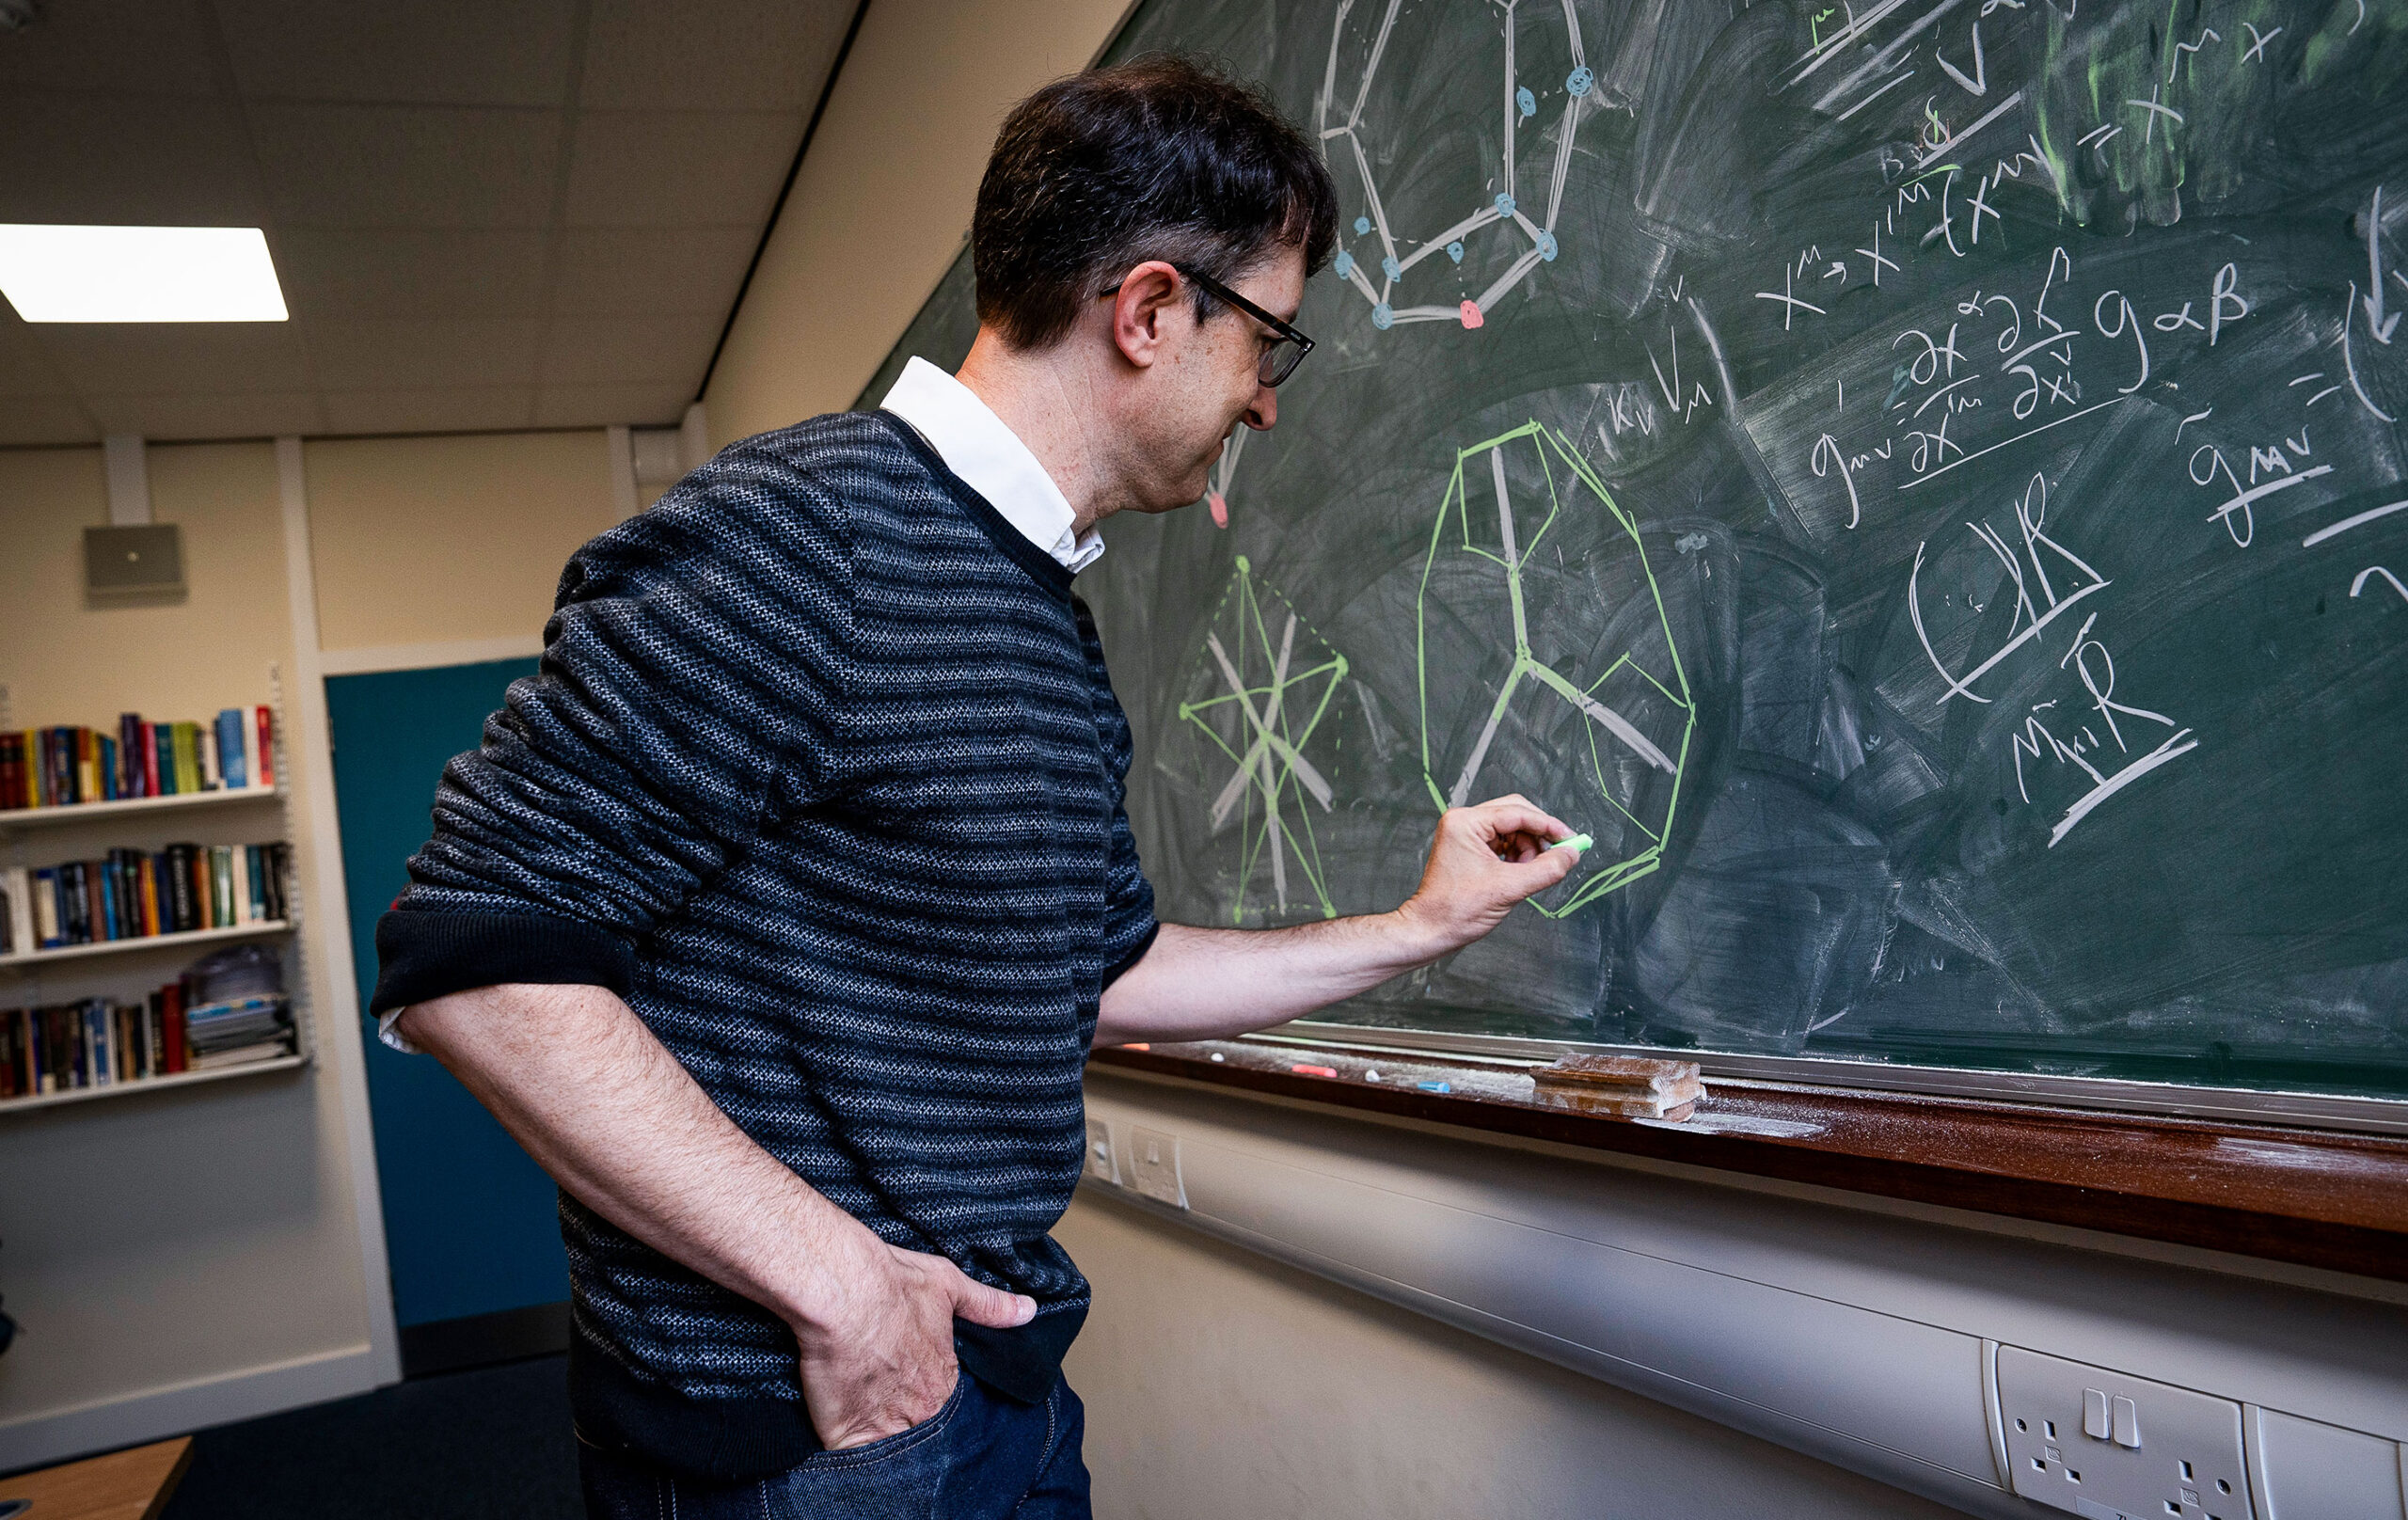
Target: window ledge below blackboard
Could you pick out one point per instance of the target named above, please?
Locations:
(2309, 1196)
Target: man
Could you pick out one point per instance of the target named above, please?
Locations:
(776, 915)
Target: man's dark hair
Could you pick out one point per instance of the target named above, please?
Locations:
(1161, 157)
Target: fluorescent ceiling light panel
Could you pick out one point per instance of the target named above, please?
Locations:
(138, 274)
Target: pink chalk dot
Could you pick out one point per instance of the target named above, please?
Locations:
(1220, 506)
(1472, 317)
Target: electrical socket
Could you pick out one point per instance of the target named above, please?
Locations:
(2158, 1451)
(1099, 1156)
(1154, 1166)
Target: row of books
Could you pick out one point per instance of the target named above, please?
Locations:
(62, 766)
(128, 895)
(100, 1043)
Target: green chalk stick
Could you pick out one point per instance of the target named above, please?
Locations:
(1576, 841)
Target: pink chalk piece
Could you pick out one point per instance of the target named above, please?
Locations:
(1472, 317)
(1220, 505)
(1305, 1069)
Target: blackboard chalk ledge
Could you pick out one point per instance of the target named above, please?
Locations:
(2312, 1197)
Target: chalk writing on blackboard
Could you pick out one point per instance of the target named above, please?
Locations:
(1641, 685)
(1275, 690)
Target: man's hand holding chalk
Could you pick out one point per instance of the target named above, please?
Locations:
(1484, 860)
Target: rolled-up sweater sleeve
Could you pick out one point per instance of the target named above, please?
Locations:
(692, 687)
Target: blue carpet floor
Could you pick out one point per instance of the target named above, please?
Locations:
(491, 1442)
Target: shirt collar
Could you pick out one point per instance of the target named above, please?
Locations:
(976, 445)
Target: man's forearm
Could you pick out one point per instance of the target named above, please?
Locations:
(582, 1084)
(1206, 983)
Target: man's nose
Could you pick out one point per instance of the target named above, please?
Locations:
(1263, 410)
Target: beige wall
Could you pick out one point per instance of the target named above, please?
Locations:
(1219, 1383)
(184, 1239)
(882, 202)
(420, 540)
(63, 663)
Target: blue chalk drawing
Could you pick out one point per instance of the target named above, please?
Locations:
(1344, 265)
(1527, 229)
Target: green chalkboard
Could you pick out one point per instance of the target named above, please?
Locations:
(1922, 483)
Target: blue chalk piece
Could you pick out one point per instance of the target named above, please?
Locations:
(1434, 1087)
(1344, 265)
(1504, 205)
(1455, 250)
(1383, 317)
(1546, 248)
(1388, 267)
(1580, 82)
(1527, 102)
(1362, 225)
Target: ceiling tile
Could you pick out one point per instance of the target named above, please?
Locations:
(411, 271)
(129, 47)
(112, 160)
(46, 419)
(442, 52)
(618, 351)
(416, 355)
(25, 370)
(362, 165)
(673, 168)
(711, 54)
(459, 410)
(601, 405)
(651, 271)
(208, 417)
(198, 358)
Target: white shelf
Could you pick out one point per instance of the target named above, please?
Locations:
(14, 818)
(266, 928)
(126, 1089)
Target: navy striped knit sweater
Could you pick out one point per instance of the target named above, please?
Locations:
(822, 772)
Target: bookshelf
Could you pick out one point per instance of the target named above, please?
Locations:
(265, 930)
(124, 968)
(14, 819)
(149, 1085)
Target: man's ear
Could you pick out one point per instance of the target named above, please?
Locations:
(1142, 311)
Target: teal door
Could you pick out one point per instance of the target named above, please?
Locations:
(471, 1226)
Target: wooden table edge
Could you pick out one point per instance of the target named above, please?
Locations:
(2006, 1168)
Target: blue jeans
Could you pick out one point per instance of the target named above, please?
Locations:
(981, 1457)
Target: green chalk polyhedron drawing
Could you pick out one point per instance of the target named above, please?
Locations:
(1631, 762)
(1275, 681)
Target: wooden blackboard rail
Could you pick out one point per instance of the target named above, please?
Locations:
(2309, 1196)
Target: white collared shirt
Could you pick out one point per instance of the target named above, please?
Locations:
(976, 445)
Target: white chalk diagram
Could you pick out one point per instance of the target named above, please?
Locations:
(1624, 755)
(1504, 206)
(1273, 681)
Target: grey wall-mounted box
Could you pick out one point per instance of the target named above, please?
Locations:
(144, 563)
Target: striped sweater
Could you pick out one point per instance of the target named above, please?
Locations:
(823, 773)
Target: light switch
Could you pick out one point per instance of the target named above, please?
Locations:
(1100, 1161)
(2128, 1423)
(1154, 1166)
(2094, 1414)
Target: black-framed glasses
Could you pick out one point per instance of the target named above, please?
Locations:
(1289, 346)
